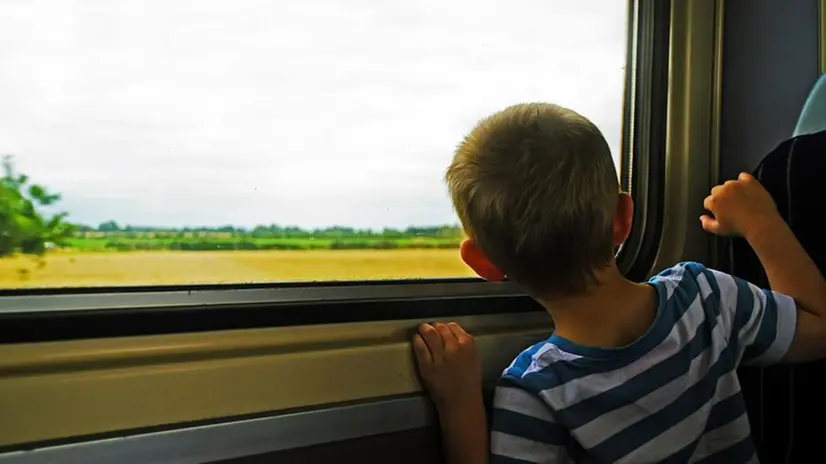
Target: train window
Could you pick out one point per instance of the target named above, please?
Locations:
(236, 142)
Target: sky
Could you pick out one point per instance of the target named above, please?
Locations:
(311, 113)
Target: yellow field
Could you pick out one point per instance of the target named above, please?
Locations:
(70, 269)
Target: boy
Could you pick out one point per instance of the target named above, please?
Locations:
(634, 373)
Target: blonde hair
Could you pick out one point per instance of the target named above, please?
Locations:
(535, 188)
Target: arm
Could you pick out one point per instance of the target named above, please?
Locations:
(769, 323)
(791, 271)
(760, 324)
(465, 431)
(452, 372)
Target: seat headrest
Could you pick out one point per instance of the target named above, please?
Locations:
(813, 117)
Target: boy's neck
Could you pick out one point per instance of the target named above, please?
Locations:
(613, 314)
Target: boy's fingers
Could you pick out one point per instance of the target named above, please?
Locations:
(745, 177)
(443, 330)
(708, 202)
(459, 332)
(448, 339)
(433, 341)
(423, 355)
(709, 224)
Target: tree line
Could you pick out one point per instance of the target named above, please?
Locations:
(111, 237)
(113, 229)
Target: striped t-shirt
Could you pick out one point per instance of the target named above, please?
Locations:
(671, 396)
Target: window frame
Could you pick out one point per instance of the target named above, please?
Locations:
(81, 391)
(644, 141)
(51, 314)
(821, 36)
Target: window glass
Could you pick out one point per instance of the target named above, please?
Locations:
(218, 141)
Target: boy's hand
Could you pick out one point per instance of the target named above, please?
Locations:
(739, 206)
(448, 364)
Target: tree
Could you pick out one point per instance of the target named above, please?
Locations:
(109, 226)
(24, 226)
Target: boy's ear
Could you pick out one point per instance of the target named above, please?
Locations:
(623, 219)
(481, 265)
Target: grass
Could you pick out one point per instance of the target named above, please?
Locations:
(85, 269)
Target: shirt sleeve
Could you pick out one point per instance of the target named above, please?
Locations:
(523, 429)
(762, 323)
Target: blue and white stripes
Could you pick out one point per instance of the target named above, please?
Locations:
(671, 396)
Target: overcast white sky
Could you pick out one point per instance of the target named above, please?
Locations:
(308, 112)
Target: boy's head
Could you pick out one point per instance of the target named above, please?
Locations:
(537, 193)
